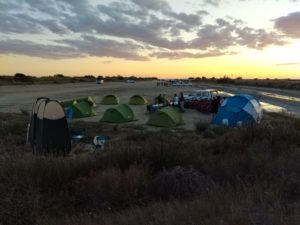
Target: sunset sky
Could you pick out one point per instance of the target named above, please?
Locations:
(163, 38)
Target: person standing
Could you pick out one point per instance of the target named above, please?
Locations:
(181, 102)
(175, 101)
(214, 106)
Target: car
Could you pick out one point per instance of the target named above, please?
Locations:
(202, 94)
(99, 81)
(181, 83)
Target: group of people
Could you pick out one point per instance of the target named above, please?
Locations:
(177, 101)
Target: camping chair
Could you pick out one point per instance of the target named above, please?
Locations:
(99, 142)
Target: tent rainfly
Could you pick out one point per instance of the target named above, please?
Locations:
(166, 117)
(49, 131)
(121, 114)
(238, 110)
(82, 109)
(137, 100)
(79, 108)
(88, 99)
(110, 100)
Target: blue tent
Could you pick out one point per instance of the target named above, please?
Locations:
(238, 110)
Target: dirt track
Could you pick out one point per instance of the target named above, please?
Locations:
(14, 98)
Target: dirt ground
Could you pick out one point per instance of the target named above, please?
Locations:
(18, 98)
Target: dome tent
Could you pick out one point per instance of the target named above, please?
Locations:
(33, 120)
(137, 100)
(82, 109)
(166, 117)
(51, 133)
(79, 108)
(68, 103)
(121, 114)
(110, 100)
(87, 99)
(238, 109)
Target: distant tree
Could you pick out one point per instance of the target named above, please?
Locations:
(225, 79)
(89, 76)
(133, 78)
(203, 78)
(239, 78)
(59, 75)
(22, 77)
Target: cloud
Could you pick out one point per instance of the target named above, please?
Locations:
(228, 33)
(107, 62)
(288, 64)
(156, 5)
(134, 30)
(38, 50)
(212, 2)
(92, 46)
(175, 55)
(289, 25)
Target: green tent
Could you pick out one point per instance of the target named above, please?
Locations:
(166, 117)
(121, 114)
(69, 103)
(137, 100)
(110, 100)
(88, 99)
(82, 109)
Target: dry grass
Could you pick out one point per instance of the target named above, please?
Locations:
(246, 175)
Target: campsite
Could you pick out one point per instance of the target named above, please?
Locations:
(129, 164)
(149, 112)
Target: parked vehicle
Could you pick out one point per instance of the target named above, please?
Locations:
(99, 81)
(202, 94)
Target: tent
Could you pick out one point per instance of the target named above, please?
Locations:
(110, 100)
(33, 120)
(238, 110)
(68, 103)
(82, 109)
(50, 128)
(166, 117)
(137, 100)
(79, 108)
(121, 114)
(88, 99)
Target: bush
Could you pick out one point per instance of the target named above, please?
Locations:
(179, 182)
(110, 189)
(247, 175)
(201, 126)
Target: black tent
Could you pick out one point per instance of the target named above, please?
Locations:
(49, 133)
(33, 121)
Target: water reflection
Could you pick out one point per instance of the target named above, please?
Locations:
(283, 97)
